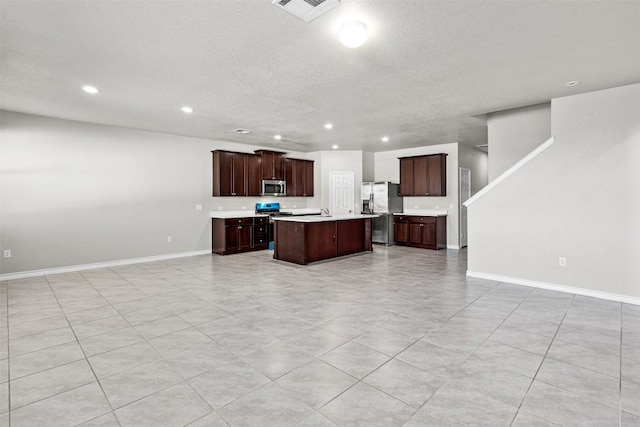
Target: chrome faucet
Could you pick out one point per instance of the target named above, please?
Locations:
(324, 212)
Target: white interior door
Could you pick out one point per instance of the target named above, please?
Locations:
(341, 192)
(465, 193)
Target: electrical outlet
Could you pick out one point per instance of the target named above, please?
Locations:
(295, 206)
(169, 239)
(244, 208)
(437, 206)
(562, 261)
(451, 206)
(198, 207)
(220, 208)
(415, 206)
(7, 253)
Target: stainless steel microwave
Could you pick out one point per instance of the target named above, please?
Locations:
(273, 188)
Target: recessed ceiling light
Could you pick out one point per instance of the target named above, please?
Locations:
(90, 89)
(242, 131)
(187, 109)
(328, 126)
(353, 34)
(572, 83)
(385, 139)
(335, 147)
(278, 137)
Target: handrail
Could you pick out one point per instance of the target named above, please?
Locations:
(526, 159)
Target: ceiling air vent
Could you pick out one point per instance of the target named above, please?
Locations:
(306, 10)
(242, 131)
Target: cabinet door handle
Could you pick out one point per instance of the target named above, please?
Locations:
(239, 227)
(421, 225)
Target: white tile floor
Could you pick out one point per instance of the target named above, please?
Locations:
(395, 337)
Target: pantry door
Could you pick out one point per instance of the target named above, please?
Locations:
(341, 193)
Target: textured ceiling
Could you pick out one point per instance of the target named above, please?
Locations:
(428, 74)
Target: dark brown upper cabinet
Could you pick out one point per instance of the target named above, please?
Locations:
(424, 176)
(272, 164)
(299, 177)
(236, 174)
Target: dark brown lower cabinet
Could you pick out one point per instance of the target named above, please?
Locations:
(305, 242)
(428, 232)
(235, 235)
(321, 238)
(351, 233)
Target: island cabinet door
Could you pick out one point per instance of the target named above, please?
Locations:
(350, 236)
(321, 240)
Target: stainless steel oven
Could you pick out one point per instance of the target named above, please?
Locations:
(273, 188)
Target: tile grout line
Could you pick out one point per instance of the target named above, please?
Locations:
(8, 355)
(471, 354)
(620, 371)
(542, 362)
(81, 349)
(164, 359)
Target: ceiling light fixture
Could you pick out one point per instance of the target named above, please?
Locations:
(278, 137)
(353, 34)
(385, 139)
(328, 126)
(90, 89)
(572, 83)
(335, 147)
(186, 109)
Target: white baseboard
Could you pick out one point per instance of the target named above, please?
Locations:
(92, 266)
(453, 247)
(555, 287)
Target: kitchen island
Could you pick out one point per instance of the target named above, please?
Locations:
(306, 239)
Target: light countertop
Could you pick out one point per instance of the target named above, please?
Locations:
(320, 218)
(246, 213)
(433, 212)
(302, 211)
(235, 214)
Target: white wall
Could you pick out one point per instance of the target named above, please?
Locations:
(512, 134)
(338, 161)
(579, 199)
(368, 166)
(75, 193)
(387, 168)
(476, 160)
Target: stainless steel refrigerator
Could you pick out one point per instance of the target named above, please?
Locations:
(381, 198)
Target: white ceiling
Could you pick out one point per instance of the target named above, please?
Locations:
(428, 74)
